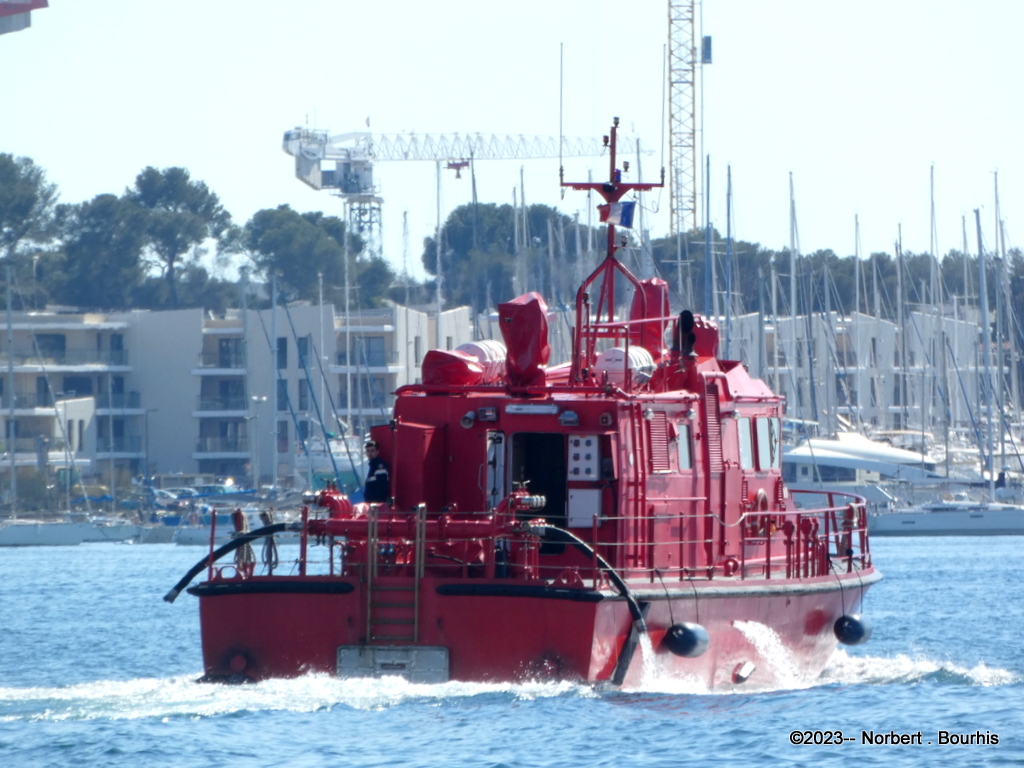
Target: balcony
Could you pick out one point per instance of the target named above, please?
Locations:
(119, 445)
(222, 360)
(222, 445)
(119, 401)
(218, 403)
(67, 357)
(374, 359)
(24, 445)
(27, 401)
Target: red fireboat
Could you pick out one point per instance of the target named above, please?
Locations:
(559, 522)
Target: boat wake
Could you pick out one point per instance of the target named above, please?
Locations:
(904, 670)
(184, 698)
(781, 670)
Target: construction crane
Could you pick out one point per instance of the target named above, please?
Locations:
(354, 156)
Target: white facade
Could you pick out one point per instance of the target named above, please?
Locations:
(121, 395)
(869, 372)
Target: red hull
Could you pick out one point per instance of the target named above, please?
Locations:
(490, 637)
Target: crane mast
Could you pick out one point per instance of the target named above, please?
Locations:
(682, 100)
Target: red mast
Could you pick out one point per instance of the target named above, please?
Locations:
(602, 324)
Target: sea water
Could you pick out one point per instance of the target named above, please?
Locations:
(96, 670)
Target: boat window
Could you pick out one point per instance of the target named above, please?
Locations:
(746, 449)
(775, 436)
(683, 447)
(765, 445)
(829, 474)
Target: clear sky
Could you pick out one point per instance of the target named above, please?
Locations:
(857, 100)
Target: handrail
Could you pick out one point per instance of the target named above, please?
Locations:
(771, 544)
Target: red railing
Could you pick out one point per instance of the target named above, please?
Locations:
(773, 544)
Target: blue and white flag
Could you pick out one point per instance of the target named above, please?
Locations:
(619, 214)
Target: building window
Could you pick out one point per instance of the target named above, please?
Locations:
(282, 437)
(372, 348)
(417, 350)
(77, 386)
(282, 395)
(51, 346)
(303, 395)
(117, 351)
(303, 346)
(282, 353)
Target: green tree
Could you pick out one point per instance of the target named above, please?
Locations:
(480, 264)
(100, 264)
(27, 205)
(300, 248)
(181, 215)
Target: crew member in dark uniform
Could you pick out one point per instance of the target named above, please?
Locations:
(378, 475)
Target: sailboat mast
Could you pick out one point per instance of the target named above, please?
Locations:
(1010, 335)
(728, 261)
(437, 244)
(939, 311)
(857, 357)
(999, 381)
(709, 259)
(986, 354)
(775, 336)
(901, 318)
(275, 375)
(792, 358)
(348, 323)
(11, 433)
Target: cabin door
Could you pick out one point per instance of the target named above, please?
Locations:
(538, 459)
(497, 488)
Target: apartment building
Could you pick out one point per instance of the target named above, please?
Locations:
(111, 397)
(924, 376)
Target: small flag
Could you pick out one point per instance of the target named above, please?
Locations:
(619, 214)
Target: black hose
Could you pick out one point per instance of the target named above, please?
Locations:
(639, 625)
(566, 537)
(231, 546)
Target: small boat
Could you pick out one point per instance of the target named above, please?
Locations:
(337, 458)
(112, 529)
(951, 518)
(577, 521)
(853, 463)
(33, 533)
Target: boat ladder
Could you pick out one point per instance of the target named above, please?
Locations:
(392, 603)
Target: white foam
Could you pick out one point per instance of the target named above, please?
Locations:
(876, 670)
(183, 697)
